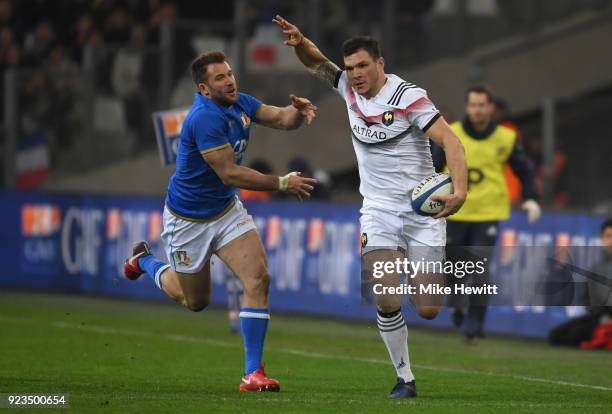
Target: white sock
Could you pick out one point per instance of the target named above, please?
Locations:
(158, 275)
(394, 333)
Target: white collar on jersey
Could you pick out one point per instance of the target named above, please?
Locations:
(396, 93)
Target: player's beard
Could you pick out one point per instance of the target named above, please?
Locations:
(224, 98)
(232, 96)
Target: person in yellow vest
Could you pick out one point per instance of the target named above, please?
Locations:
(488, 147)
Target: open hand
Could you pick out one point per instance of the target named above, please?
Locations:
(296, 185)
(294, 36)
(304, 106)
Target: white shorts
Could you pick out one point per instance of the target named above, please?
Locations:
(190, 244)
(417, 236)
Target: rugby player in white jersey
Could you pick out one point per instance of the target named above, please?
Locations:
(390, 121)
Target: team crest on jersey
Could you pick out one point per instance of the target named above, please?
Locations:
(387, 118)
(246, 121)
(181, 258)
(364, 240)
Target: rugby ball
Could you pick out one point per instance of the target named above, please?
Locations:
(436, 184)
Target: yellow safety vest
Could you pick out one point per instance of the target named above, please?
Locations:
(488, 198)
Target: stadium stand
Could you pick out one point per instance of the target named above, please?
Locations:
(92, 97)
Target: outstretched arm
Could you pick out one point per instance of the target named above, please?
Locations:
(309, 54)
(287, 118)
(230, 173)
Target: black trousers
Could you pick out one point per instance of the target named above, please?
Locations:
(482, 233)
(574, 331)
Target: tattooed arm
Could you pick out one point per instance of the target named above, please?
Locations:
(328, 72)
(309, 54)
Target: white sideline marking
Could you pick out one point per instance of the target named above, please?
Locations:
(451, 370)
(572, 384)
(318, 355)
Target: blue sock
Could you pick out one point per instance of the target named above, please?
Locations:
(153, 267)
(254, 323)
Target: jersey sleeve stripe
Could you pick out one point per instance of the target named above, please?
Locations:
(431, 121)
(214, 149)
(399, 97)
(337, 79)
(396, 91)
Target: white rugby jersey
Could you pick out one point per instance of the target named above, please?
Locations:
(388, 132)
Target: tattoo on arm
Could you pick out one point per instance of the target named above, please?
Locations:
(327, 72)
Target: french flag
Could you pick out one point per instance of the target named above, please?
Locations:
(32, 163)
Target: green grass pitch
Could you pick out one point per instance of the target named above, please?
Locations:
(115, 355)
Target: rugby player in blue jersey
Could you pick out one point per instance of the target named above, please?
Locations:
(202, 213)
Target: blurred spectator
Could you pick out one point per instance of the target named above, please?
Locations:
(556, 174)
(335, 27)
(36, 104)
(410, 18)
(127, 79)
(84, 28)
(10, 57)
(63, 71)
(117, 26)
(580, 331)
(60, 65)
(38, 43)
(7, 39)
(6, 11)
(263, 167)
(9, 50)
(64, 78)
(85, 33)
(7, 18)
(115, 30)
(500, 115)
(128, 63)
(159, 11)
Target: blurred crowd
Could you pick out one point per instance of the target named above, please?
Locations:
(64, 49)
(34, 29)
(47, 41)
(54, 35)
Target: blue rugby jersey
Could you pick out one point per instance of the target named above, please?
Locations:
(195, 191)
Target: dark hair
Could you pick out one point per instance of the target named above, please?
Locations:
(200, 64)
(607, 223)
(366, 43)
(481, 90)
